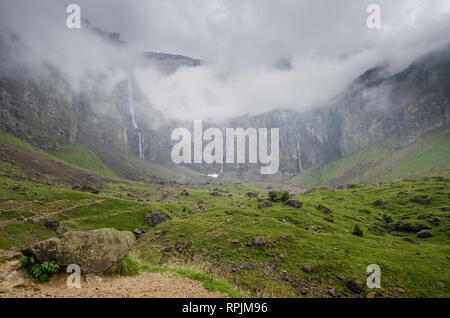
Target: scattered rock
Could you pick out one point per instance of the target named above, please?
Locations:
(259, 241)
(184, 193)
(32, 220)
(9, 255)
(234, 241)
(324, 209)
(435, 220)
(284, 236)
(10, 280)
(93, 279)
(341, 277)
(355, 287)
(422, 199)
(332, 292)
(425, 216)
(62, 229)
(308, 268)
(138, 233)
(441, 284)
(155, 217)
(93, 251)
(294, 203)
(423, 234)
(402, 226)
(445, 208)
(51, 224)
(378, 202)
(264, 204)
(215, 194)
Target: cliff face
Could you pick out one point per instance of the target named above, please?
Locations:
(36, 112)
(47, 112)
(397, 109)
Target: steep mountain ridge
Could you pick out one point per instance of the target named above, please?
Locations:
(47, 112)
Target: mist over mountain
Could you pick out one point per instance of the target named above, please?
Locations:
(60, 85)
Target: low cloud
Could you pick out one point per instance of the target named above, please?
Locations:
(323, 46)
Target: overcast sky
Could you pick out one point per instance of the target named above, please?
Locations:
(327, 43)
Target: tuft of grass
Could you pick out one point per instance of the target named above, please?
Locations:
(126, 266)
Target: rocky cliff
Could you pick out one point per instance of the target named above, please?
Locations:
(46, 111)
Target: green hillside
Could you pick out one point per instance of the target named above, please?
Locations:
(81, 156)
(378, 163)
(216, 234)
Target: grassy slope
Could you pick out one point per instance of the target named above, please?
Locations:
(202, 226)
(81, 156)
(376, 163)
(200, 234)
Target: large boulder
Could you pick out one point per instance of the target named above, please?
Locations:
(155, 217)
(94, 251)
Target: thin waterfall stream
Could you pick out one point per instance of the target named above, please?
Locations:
(131, 108)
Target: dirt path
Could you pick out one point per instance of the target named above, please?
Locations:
(47, 215)
(145, 285)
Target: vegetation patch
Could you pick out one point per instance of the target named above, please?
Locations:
(126, 266)
(41, 272)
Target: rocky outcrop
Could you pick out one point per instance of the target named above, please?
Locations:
(155, 217)
(294, 203)
(93, 251)
(412, 227)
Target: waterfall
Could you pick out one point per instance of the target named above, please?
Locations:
(131, 108)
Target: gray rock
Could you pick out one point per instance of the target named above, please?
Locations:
(264, 204)
(155, 217)
(423, 234)
(138, 233)
(324, 209)
(422, 199)
(294, 203)
(355, 287)
(259, 241)
(378, 202)
(308, 268)
(51, 224)
(332, 292)
(93, 251)
(9, 255)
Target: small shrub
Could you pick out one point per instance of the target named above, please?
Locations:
(273, 196)
(26, 262)
(42, 272)
(357, 231)
(284, 196)
(126, 266)
(387, 218)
